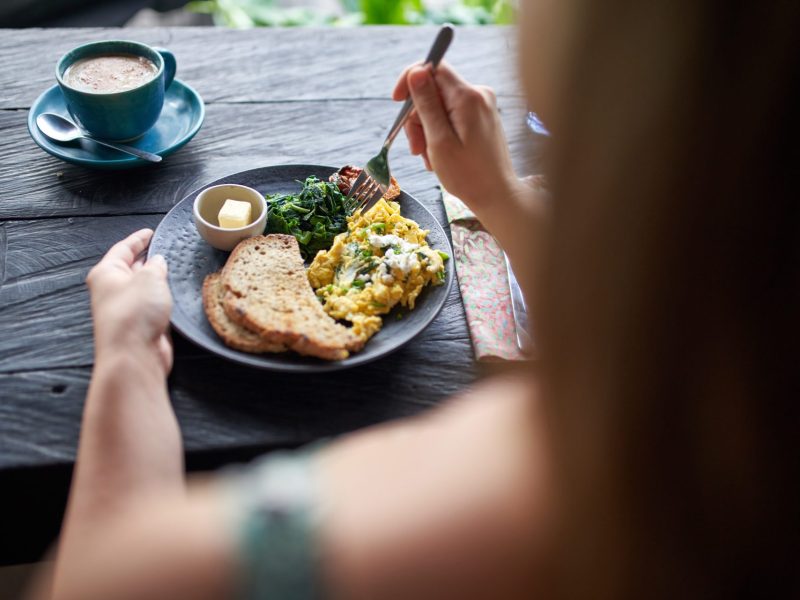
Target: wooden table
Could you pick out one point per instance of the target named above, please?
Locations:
(272, 97)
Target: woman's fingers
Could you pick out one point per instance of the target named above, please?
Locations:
(152, 279)
(457, 131)
(488, 93)
(429, 107)
(140, 261)
(158, 265)
(151, 290)
(448, 77)
(415, 134)
(165, 351)
(434, 94)
(128, 249)
(450, 83)
(400, 91)
(445, 76)
(120, 257)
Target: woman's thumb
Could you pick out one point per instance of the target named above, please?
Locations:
(428, 104)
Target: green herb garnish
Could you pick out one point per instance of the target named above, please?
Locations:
(445, 256)
(366, 267)
(314, 216)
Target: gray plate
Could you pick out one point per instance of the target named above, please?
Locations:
(191, 259)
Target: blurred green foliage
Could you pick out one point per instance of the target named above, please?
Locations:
(243, 14)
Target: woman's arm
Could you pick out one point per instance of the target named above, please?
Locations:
(447, 504)
(130, 444)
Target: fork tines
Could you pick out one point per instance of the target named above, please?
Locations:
(365, 190)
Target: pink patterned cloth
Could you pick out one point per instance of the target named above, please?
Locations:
(482, 278)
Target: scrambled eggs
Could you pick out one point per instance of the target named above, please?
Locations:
(381, 261)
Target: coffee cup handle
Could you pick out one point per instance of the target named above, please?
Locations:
(169, 65)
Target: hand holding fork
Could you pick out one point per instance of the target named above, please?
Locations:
(375, 179)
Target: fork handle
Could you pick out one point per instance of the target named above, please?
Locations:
(440, 45)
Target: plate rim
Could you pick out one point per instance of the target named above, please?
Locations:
(256, 360)
(116, 163)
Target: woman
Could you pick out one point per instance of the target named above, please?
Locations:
(357, 517)
(652, 454)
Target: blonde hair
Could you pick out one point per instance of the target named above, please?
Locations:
(670, 301)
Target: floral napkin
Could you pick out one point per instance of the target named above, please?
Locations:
(483, 280)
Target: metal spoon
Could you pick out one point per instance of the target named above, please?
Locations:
(60, 129)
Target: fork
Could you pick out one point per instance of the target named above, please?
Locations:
(374, 180)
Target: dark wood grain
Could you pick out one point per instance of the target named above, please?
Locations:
(44, 304)
(234, 138)
(221, 405)
(264, 65)
(226, 412)
(273, 97)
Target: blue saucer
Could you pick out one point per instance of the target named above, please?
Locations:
(180, 120)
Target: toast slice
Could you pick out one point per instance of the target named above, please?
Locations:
(234, 335)
(267, 291)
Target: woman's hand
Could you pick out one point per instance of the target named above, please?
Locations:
(456, 129)
(131, 302)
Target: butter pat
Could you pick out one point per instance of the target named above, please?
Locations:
(234, 214)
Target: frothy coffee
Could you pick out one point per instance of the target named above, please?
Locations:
(109, 73)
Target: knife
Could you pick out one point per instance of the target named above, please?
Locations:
(519, 310)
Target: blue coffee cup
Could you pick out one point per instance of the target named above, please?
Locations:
(124, 115)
